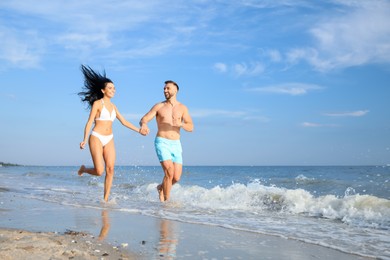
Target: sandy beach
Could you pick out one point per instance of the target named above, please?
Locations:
(35, 229)
(19, 244)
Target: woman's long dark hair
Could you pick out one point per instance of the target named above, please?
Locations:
(93, 85)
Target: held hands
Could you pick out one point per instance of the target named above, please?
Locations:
(144, 130)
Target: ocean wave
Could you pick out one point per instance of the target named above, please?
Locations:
(305, 180)
(352, 209)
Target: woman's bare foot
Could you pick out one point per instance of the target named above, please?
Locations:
(160, 192)
(81, 170)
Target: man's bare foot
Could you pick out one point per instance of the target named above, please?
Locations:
(160, 192)
(81, 170)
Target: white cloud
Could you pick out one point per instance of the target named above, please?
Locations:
(88, 28)
(256, 118)
(220, 67)
(243, 115)
(252, 69)
(216, 112)
(15, 50)
(79, 40)
(348, 114)
(358, 35)
(88, 15)
(358, 32)
(240, 69)
(133, 116)
(310, 124)
(274, 55)
(151, 48)
(293, 89)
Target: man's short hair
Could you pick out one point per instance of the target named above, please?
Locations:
(172, 82)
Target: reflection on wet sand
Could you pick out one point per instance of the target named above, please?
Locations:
(105, 225)
(168, 240)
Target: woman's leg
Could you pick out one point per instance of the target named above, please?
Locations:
(109, 158)
(96, 149)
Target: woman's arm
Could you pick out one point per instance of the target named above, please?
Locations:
(126, 123)
(88, 126)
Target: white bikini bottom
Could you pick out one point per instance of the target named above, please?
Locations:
(104, 139)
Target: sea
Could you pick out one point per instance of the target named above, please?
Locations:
(340, 207)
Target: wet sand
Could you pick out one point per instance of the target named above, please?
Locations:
(34, 229)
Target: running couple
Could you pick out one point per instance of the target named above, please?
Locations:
(171, 116)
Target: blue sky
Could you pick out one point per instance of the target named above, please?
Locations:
(289, 82)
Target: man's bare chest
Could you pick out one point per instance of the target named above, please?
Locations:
(169, 112)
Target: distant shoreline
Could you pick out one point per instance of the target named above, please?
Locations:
(8, 164)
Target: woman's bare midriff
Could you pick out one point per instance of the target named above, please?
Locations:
(103, 127)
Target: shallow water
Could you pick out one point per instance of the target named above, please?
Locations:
(345, 208)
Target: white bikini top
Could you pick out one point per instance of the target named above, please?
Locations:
(105, 114)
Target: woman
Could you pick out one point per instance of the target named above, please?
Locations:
(98, 91)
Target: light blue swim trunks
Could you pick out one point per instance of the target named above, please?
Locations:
(168, 150)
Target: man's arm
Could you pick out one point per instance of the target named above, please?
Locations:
(187, 121)
(147, 117)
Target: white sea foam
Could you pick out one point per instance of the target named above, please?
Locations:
(355, 209)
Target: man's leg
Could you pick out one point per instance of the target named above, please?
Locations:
(176, 177)
(169, 171)
(177, 173)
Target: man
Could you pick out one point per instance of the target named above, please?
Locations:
(171, 116)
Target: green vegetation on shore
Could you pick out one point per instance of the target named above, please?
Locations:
(8, 164)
